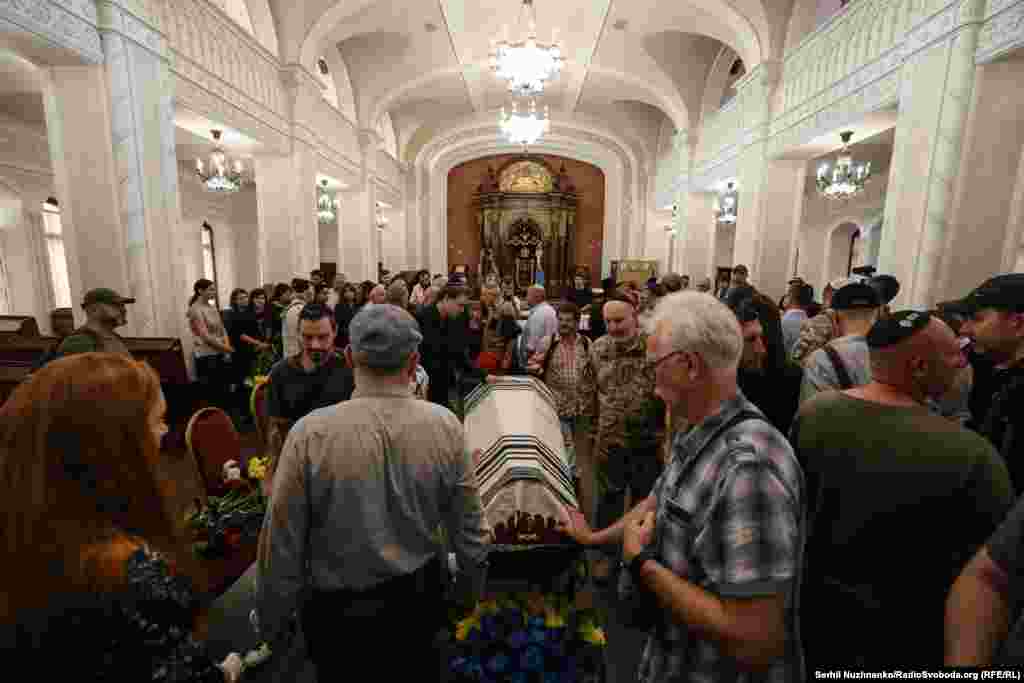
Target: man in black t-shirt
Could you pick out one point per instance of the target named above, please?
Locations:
(316, 378)
(995, 323)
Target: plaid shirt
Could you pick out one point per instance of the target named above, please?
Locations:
(564, 373)
(731, 521)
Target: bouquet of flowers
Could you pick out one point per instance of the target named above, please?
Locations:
(526, 638)
(222, 524)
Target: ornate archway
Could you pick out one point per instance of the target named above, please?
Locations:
(526, 215)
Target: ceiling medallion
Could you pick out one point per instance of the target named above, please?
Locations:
(217, 175)
(526, 64)
(845, 179)
(727, 205)
(326, 206)
(524, 129)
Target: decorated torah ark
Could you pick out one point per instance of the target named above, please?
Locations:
(523, 472)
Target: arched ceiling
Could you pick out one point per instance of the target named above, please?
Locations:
(632, 65)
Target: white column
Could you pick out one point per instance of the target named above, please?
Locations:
(780, 218)
(699, 235)
(937, 90)
(358, 243)
(81, 149)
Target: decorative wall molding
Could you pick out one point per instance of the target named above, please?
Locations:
(113, 17)
(71, 24)
(1003, 30)
(849, 67)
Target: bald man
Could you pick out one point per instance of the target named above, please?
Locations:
(899, 497)
(378, 295)
(398, 293)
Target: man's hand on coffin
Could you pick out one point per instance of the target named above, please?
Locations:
(636, 535)
(491, 379)
(576, 527)
(476, 456)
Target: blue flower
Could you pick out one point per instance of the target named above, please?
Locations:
(518, 677)
(498, 664)
(517, 639)
(536, 622)
(489, 625)
(557, 677)
(532, 659)
(538, 635)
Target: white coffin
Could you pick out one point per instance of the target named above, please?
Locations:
(523, 466)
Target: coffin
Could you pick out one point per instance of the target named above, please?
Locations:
(523, 473)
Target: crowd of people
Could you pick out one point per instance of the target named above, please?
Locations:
(774, 487)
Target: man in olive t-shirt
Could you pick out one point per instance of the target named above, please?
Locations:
(899, 500)
(105, 310)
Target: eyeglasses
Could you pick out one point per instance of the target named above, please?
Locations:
(659, 361)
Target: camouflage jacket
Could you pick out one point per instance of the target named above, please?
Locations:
(815, 333)
(617, 388)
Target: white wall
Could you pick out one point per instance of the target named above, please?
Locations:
(235, 228)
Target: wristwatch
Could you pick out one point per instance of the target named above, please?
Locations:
(637, 563)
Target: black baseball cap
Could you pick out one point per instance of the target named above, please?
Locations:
(1004, 292)
(897, 327)
(886, 286)
(855, 295)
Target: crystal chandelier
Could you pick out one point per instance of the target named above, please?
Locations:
(845, 180)
(325, 205)
(526, 64)
(727, 205)
(524, 129)
(217, 175)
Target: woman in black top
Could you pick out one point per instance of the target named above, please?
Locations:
(343, 314)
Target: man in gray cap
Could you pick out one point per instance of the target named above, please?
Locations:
(843, 362)
(105, 311)
(361, 490)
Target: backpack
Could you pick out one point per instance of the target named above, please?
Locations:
(551, 351)
(54, 353)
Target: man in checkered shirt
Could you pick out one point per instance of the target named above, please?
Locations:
(720, 539)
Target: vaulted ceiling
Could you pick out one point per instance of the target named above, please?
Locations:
(638, 67)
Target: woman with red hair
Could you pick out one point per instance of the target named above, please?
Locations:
(95, 570)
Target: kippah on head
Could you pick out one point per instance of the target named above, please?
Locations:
(897, 327)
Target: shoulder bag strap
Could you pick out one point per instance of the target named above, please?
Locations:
(837, 362)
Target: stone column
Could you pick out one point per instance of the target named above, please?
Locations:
(116, 172)
(358, 243)
(286, 203)
(699, 237)
(779, 228)
(937, 85)
(86, 178)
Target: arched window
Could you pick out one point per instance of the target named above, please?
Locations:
(736, 72)
(210, 258)
(53, 235)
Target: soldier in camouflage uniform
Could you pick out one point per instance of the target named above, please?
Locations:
(814, 334)
(617, 387)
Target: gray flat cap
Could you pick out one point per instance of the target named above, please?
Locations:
(386, 334)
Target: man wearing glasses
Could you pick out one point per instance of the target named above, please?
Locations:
(717, 546)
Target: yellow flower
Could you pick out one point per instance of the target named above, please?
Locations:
(554, 620)
(591, 633)
(488, 607)
(464, 627)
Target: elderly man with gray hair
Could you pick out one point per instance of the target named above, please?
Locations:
(361, 490)
(715, 551)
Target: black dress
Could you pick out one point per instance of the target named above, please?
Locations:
(141, 632)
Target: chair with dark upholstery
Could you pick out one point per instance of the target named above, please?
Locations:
(258, 406)
(212, 441)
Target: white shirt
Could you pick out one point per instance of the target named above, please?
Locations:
(543, 322)
(290, 341)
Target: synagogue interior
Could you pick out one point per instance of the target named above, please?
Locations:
(228, 191)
